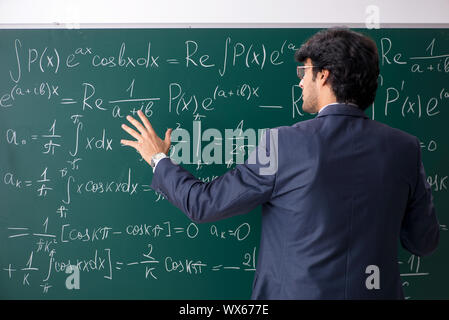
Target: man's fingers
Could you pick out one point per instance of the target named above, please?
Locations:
(146, 122)
(131, 132)
(136, 124)
(129, 143)
(168, 136)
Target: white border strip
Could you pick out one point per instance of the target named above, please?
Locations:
(217, 25)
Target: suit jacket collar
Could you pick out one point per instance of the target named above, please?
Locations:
(342, 109)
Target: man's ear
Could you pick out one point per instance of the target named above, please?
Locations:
(324, 76)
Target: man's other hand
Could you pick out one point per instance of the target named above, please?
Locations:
(147, 142)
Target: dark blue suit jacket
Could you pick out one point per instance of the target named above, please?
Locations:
(346, 190)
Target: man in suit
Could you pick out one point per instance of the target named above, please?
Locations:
(345, 191)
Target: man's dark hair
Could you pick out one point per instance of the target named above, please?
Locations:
(352, 61)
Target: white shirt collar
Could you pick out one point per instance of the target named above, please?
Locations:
(330, 104)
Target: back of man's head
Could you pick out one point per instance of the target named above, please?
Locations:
(351, 59)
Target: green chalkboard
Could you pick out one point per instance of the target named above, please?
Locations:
(70, 194)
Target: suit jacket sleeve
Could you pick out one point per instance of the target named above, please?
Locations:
(420, 227)
(238, 191)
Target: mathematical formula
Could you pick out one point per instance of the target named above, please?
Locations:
(69, 186)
